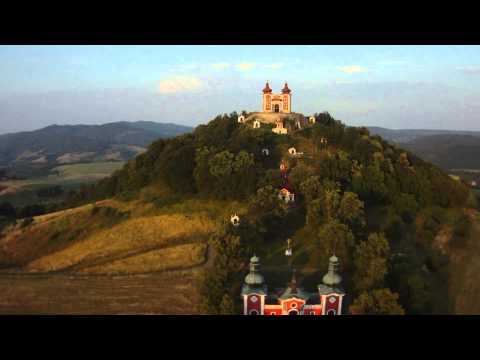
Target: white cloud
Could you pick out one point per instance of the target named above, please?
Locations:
(221, 66)
(470, 69)
(351, 69)
(274, 66)
(177, 84)
(245, 66)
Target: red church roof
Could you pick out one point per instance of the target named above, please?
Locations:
(267, 89)
(287, 186)
(286, 90)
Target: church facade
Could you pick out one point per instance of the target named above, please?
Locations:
(293, 300)
(277, 103)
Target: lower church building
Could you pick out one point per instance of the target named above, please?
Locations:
(258, 300)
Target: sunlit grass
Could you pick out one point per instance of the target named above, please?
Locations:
(174, 257)
(131, 235)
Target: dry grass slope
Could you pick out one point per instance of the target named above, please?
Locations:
(171, 258)
(127, 238)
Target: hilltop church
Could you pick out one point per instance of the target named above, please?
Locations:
(277, 103)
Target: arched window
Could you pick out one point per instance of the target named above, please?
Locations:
(253, 312)
(331, 312)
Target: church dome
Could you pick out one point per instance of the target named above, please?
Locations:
(254, 278)
(286, 90)
(267, 89)
(332, 278)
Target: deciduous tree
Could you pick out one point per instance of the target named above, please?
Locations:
(377, 302)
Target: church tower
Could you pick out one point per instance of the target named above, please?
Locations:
(331, 293)
(254, 290)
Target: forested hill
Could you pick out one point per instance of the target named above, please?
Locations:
(448, 151)
(402, 136)
(380, 206)
(58, 144)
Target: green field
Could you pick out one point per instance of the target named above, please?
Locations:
(23, 192)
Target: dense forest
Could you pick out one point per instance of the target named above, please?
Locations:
(378, 205)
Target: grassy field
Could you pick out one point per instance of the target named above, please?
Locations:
(23, 192)
(111, 257)
(90, 170)
(171, 258)
(126, 239)
(159, 293)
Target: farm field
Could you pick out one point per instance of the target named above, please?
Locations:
(129, 258)
(23, 192)
(52, 294)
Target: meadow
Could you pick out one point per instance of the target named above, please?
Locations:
(69, 177)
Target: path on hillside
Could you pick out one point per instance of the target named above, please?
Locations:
(125, 255)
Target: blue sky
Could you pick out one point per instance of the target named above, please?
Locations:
(390, 86)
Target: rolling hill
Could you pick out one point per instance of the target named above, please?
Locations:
(403, 136)
(449, 151)
(65, 144)
(396, 222)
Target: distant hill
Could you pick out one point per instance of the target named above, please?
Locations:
(408, 135)
(449, 151)
(63, 144)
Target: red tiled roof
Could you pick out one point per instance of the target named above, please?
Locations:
(288, 187)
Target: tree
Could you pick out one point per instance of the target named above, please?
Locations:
(377, 302)
(298, 174)
(201, 173)
(335, 237)
(221, 164)
(415, 289)
(350, 210)
(227, 307)
(266, 201)
(370, 185)
(312, 188)
(224, 277)
(244, 179)
(406, 206)
(370, 262)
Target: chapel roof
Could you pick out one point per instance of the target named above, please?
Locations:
(267, 89)
(285, 89)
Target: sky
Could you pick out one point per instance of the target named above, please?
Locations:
(398, 87)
